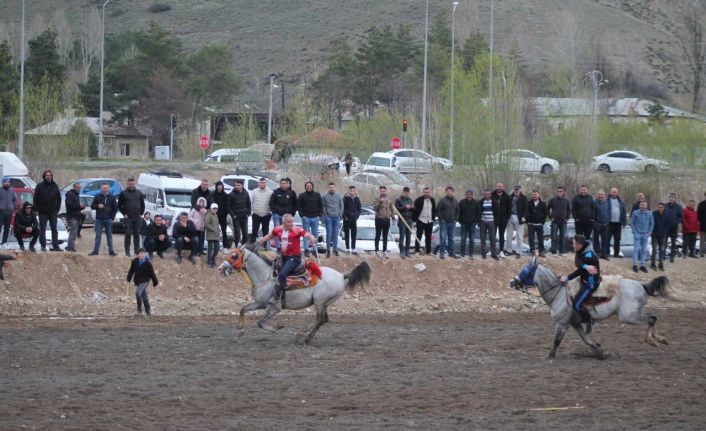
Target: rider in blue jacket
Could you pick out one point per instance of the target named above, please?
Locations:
(589, 269)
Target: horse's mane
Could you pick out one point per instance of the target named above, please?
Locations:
(548, 270)
(257, 250)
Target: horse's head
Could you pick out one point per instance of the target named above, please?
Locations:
(525, 278)
(237, 259)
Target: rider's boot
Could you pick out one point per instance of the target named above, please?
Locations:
(277, 295)
(585, 316)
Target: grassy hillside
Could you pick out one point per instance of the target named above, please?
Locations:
(291, 37)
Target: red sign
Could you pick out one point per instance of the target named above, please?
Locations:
(203, 142)
(395, 143)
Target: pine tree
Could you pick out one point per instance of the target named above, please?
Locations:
(43, 59)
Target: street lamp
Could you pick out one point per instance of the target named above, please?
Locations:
(269, 112)
(597, 80)
(21, 143)
(453, 47)
(100, 110)
(424, 91)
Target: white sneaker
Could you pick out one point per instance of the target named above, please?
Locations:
(384, 254)
(501, 254)
(377, 254)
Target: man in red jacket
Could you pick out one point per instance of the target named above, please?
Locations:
(690, 228)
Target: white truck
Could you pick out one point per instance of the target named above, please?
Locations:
(11, 166)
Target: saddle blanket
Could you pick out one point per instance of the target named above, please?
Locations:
(609, 287)
(308, 278)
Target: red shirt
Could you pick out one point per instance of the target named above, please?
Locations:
(690, 223)
(290, 243)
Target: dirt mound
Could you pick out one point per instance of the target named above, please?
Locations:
(65, 284)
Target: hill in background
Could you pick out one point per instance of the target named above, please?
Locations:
(633, 41)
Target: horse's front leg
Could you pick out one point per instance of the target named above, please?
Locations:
(272, 311)
(559, 333)
(247, 308)
(597, 349)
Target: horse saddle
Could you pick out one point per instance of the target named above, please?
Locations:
(609, 287)
(306, 274)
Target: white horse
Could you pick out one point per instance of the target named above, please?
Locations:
(325, 292)
(629, 303)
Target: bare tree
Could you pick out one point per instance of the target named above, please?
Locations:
(90, 39)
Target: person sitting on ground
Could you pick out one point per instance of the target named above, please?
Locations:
(589, 269)
(26, 223)
(157, 238)
(185, 236)
(142, 271)
(290, 250)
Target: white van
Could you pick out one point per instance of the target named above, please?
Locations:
(382, 162)
(224, 155)
(11, 166)
(167, 193)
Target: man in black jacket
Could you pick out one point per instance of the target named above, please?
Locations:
(201, 192)
(106, 207)
(73, 214)
(240, 209)
(157, 237)
(559, 211)
(220, 197)
(47, 201)
(536, 217)
(675, 215)
(142, 271)
(468, 217)
(131, 203)
(185, 236)
(26, 224)
(582, 208)
(351, 212)
(311, 208)
(503, 208)
(424, 216)
(283, 201)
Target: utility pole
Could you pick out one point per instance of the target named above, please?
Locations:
(269, 112)
(21, 143)
(490, 76)
(424, 91)
(453, 46)
(100, 110)
(282, 90)
(596, 80)
(171, 137)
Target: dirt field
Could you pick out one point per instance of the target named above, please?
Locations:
(447, 371)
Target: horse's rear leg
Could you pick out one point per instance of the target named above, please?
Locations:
(559, 333)
(597, 349)
(321, 318)
(660, 338)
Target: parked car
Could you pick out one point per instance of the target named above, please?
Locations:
(365, 239)
(523, 161)
(63, 237)
(224, 155)
(370, 182)
(417, 161)
(250, 162)
(17, 171)
(382, 162)
(92, 186)
(435, 241)
(627, 161)
(250, 182)
(88, 214)
(167, 193)
(626, 240)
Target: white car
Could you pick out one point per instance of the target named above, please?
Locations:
(365, 238)
(417, 161)
(370, 182)
(382, 162)
(63, 238)
(250, 182)
(523, 161)
(627, 161)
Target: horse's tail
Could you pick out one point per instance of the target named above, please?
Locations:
(359, 276)
(658, 287)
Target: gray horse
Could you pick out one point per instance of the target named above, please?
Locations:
(321, 295)
(629, 303)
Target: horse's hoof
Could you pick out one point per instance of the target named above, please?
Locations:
(241, 333)
(651, 342)
(268, 328)
(600, 355)
(663, 340)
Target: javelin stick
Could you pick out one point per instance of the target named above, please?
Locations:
(405, 223)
